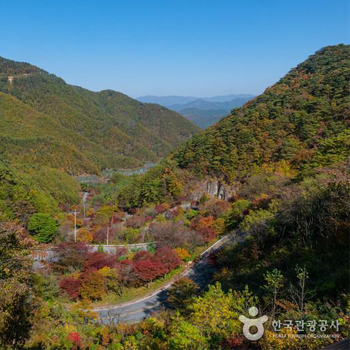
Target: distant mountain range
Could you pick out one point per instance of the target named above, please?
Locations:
(204, 111)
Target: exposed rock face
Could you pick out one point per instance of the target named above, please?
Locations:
(220, 190)
(215, 188)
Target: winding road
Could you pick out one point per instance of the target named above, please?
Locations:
(134, 311)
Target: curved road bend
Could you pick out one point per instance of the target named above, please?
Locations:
(201, 273)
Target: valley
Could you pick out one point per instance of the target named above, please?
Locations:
(150, 233)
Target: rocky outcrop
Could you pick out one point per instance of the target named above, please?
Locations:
(215, 188)
(220, 190)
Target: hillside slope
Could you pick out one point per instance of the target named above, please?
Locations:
(299, 120)
(47, 121)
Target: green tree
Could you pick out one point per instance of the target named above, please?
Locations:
(274, 283)
(300, 293)
(15, 274)
(180, 294)
(186, 336)
(43, 227)
(213, 313)
(235, 215)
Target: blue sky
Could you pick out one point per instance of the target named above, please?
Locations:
(170, 47)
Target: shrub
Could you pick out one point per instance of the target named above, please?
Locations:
(161, 208)
(98, 260)
(70, 256)
(148, 270)
(168, 258)
(43, 227)
(71, 286)
(111, 277)
(182, 253)
(208, 234)
(84, 235)
(181, 293)
(219, 226)
(141, 255)
(99, 234)
(204, 226)
(236, 215)
(93, 285)
(121, 251)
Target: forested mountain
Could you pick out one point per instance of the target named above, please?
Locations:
(282, 157)
(300, 122)
(48, 122)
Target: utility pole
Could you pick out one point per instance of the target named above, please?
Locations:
(85, 195)
(109, 225)
(75, 225)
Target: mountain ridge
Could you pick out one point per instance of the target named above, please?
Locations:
(176, 99)
(290, 126)
(109, 128)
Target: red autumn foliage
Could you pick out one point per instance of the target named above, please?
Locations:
(75, 338)
(168, 258)
(71, 286)
(141, 255)
(124, 269)
(148, 270)
(262, 202)
(70, 255)
(235, 342)
(207, 233)
(203, 226)
(161, 208)
(126, 262)
(98, 260)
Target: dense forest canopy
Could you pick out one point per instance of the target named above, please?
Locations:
(46, 121)
(299, 121)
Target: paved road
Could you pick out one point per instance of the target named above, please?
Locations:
(201, 273)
